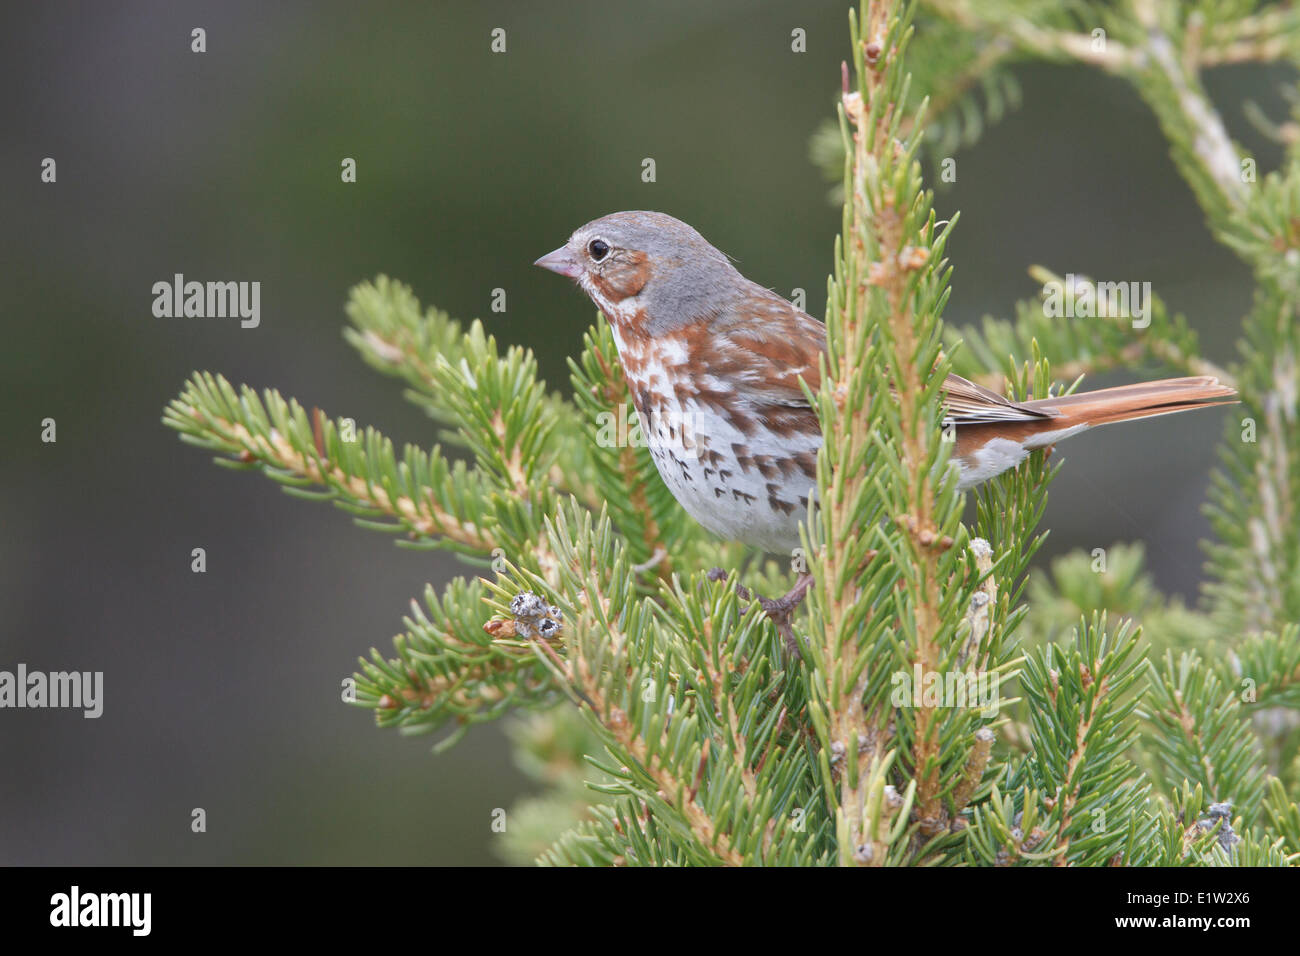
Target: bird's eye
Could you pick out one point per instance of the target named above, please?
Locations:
(598, 249)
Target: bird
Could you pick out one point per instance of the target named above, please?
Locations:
(713, 363)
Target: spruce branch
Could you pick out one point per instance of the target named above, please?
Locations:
(496, 404)
(970, 88)
(1266, 669)
(493, 405)
(435, 502)
(1161, 48)
(1201, 732)
(848, 501)
(1048, 31)
(710, 794)
(1263, 36)
(973, 773)
(449, 668)
(730, 665)
(602, 667)
(1090, 688)
(1284, 819)
(1181, 832)
(1255, 498)
(1075, 799)
(895, 579)
(1202, 148)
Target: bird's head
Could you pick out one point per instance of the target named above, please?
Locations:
(646, 267)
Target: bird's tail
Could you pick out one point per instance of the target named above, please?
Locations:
(1144, 400)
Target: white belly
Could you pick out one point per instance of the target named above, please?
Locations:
(695, 450)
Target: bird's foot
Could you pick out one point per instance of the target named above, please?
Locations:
(778, 610)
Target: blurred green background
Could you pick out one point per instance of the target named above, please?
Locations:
(222, 690)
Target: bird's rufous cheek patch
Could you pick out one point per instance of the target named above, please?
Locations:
(623, 277)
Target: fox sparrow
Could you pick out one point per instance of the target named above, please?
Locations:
(713, 362)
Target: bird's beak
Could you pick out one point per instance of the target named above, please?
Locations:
(560, 261)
